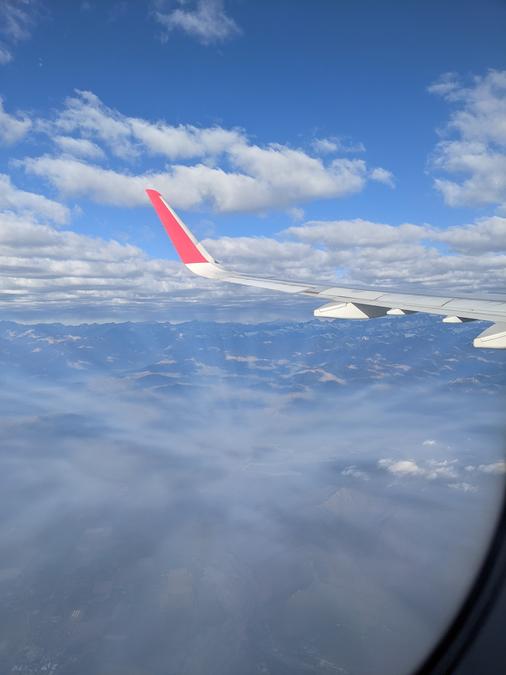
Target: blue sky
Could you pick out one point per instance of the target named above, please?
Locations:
(323, 112)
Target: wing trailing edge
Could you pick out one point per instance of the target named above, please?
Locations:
(346, 303)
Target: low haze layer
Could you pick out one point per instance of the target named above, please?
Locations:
(206, 497)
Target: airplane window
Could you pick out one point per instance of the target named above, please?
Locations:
(252, 338)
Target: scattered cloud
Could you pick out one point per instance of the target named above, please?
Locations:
(445, 85)
(78, 147)
(98, 147)
(334, 144)
(277, 177)
(325, 145)
(463, 487)
(444, 469)
(497, 468)
(227, 172)
(383, 176)
(128, 137)
(473, 144)
(12, 127)
(353, 472)
(29, 203)
(17, 19)
(85, 114)
(430, 469)
(204, 20)
(401, 468)
(184, 141)
(5, 55)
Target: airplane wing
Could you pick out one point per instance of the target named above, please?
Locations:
(345, 303)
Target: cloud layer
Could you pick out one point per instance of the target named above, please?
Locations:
(244, 533)
(45, 268)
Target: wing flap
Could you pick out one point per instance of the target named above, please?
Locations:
(493, 337)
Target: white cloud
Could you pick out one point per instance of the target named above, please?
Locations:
(85, 113)
(485, 235)
(241, 359)
(127, 137)
(436, 469)
(184, 141)
(353, 472)
(498, 468)
(276, 258)
(5, 55)
(17, 18)
(477, 152)
(30, 203)
(334, 144)
(486, 169)
(265, 183)
(185, 186)
(228, 172)
(383, 176)
(206, 21)
(441, 468)
(49, 270)
(325, 145)
(357, 232)
(445, 85)
(294, 175)
(463, 487)
(431, 469)
(79, 147)
(409, 255)
(55, 273)
(403, 467)
(12, 128)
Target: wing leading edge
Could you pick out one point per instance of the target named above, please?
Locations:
(342, 302)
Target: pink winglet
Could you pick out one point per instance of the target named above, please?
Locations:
(182, 240)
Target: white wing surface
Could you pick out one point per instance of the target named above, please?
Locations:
(342, 302)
